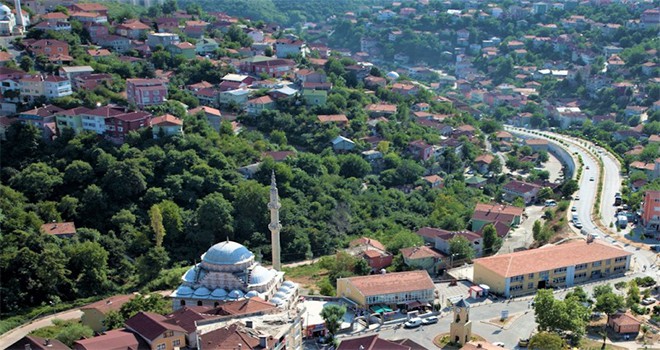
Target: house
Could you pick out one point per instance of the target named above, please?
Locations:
(278, 156)
(341, 143)
(560, 266)
(166, 125)
(118, 126)
(56, 87)
(32, 87)
(624, 323)
(164, 39)
(405, 89)
(31, 342)
(94, 314)
(285, 48)
(146, 92)
(237, 96)
(537, 145)
(89, 7)
(41, 117)
(257, 105)
(424, 258)
(227, 337)
(503, 136)
(167, 24)
(88, 17)
(74, 71)
(483, 162)
(158, 333)
(214, 116)
(47, 47)
(99, 53)
(89, 82)
(440, 239)
(185, 49)
(525, 190)
(270, 66)
(388, 289)
(59, 229)
(5, 57)
(195, 29)
(133, 29)
(434, 181)
(373, 342)
(491, 213)
(339, 119)
(380, 110)
(372, 82)
(420, 149)
(205, 46)
(116, 339)
(650, 216)
(371, 250)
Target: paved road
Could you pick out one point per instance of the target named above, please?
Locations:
(16, 334)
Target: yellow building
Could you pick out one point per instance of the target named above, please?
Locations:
(389, 289)
(557, 266)
(159, 334)
(94, 314)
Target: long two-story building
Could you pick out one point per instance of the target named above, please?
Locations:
(560, 266)
(390, 289)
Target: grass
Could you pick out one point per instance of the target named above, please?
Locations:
(9, 322)
(308, 276)
(590, 344)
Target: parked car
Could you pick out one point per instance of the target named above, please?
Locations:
(587, 167)
(648, 301)
(577, 198)
(591, 178)
(413, 323)
(523, 343)
(499, 343)
(574, 208)
(577, 224)
(430, 320)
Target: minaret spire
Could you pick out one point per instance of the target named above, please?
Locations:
(274, 226)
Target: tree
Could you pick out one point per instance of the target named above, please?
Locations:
(569, 187)
(156, 219)
(153, 302)
(492, 242)
(609, 303)
(545, 193)
(88, 263)
(352, 165)
(546, 341)
(536, 230)
(333, 315)
(37, 180)
(152, 263)
(26, 64)
(633, 297)
(552, 314)
(460, 248)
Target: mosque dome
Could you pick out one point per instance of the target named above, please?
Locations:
(393, 75)
(219, 293)
(5, 11)
(184, 291)
(289, 284)
(251, 294)
(201, 292)
(236, 294)
(190, 275)
(227, 253)
(260, 275)
(276, 301)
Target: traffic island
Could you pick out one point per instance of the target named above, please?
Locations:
(442, 341)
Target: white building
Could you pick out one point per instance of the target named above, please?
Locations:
(7, 20)
(55, 86)
(165, 39)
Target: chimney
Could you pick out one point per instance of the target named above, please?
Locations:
(248, 324)
(47, 342)
(263, 341)
(479, 346)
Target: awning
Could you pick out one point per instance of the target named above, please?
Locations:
(414, 304)
(381, 309)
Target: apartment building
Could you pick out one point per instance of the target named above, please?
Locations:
(146, 92)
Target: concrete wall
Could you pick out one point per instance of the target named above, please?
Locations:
(555, 148)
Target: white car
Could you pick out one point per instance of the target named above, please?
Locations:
(499, 343)
(648, 301)
(413, 323)
(577, 224)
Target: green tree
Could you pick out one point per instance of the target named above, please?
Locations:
(332, 316)
(153, 302)
(546, 341)
(113, 320)
(460, 248)
(492, 242)
(26, 64)
(632, 297)
(609, 303)
(214, 221)
(352, 165)
(88, 266)
(156, 219)
(152, 263)
(37, 180)
(569, 187)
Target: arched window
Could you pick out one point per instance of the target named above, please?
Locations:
(458, 318)
(216, 304)
(183, 303)
(199, 303)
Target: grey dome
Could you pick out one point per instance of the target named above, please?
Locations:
(260, 275)
(290, 284)
(227, 253)
(202, 292)
(276, 301)
(219, 293)
(190, 275)
(184, 291)
(252, 294)
(236, 294)
(5, 11)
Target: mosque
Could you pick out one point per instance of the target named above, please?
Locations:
(11, 23)
(228, 271)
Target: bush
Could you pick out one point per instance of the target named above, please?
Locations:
(620, 285)
(645, 281)
(639, 310)
(562, 206)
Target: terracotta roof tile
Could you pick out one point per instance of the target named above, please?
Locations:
(421, 253)
(59, 228)
(151, 325)
(368, 242)
(396, 282)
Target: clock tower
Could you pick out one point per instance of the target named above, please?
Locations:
(460, 329)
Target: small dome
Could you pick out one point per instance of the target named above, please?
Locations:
(285, 289)
(219, 293)
(252, 294)
(227, 253)
(190, 275)
(260, 275)
(393, 75)
(236, 294)
(202, 292)
(276, 301)
(290, 284)
(183, 291)
(280, 295)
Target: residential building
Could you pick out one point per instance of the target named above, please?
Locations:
(88, 17)
(72, 72)
(270, 66)
(32, 87)
(519, 189)
(389, 289)
(373, 342)
(146, 92)
(214, 116)
(42, 118)
(537, 144)
(624, 323)
(560, 266)
(341, 143)
(94, 314)
(56, 87)
(47, 47)
(650, 216)
(164, 39)
(491, 213)
(59, 229)
(114, 42)
(31, 342)
(89, 82)
(285, 48)
(238, 96)
(257, 105)
(117, 127)
(420, 150)
(338, 119)
(89, 7)
(159, 334)
(117, 339)
(424, 258)
(483, 162)
(133, 29)
(503, 136)
(440, 239)
(434, 181)
(205, 46)
(372, 251)
(184, 49)
(166, 125)
(381, 110)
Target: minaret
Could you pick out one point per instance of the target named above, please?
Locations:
(19, 13)
(274, 226)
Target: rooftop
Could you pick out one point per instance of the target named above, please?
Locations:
(396, 282)
(59, 228)
(550, 258)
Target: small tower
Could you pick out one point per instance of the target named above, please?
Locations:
(274, 226)
(460, 330)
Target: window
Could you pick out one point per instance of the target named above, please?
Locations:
(531, 275)
(559, 280)
(580, 267)
(620, 259)
(515, 288)
(608, 261)
(560, 270)
(596, 263)
(176, 342)
(168, 334)
(517, 278)
(530, 285)
(619, 268)
(580, 275)
(161, 347)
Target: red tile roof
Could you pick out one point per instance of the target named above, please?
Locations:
(370, 342)
(150, 325)
(333, 118)
(118, 339)
(550, 258)
(368, 242)
(241, 307)
(37, 343)
(421, 253)
(59, 228)
(113, 303)
(389, 283)
(227, 337)
(166, 120)
(445, 235)
(624, 319)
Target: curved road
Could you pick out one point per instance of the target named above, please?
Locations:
(612, 180)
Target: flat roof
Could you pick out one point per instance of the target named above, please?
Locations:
(550, 258)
